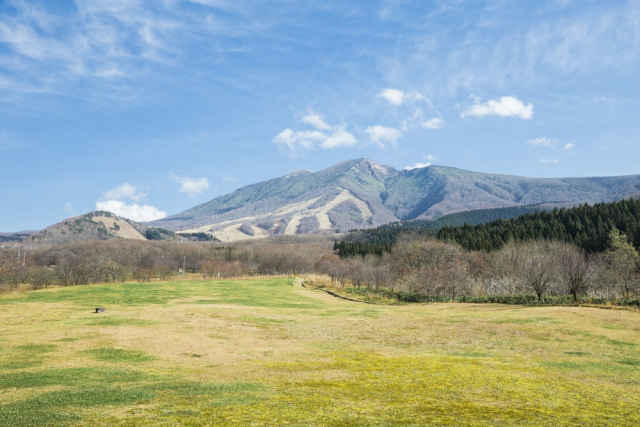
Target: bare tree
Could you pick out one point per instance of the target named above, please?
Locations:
(575, 270)
(539, 268)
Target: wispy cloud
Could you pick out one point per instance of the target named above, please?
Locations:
(190, 186)
(228, 178)
(396, 97)
(125, 191)
(433, 123)
(542, 142)
(429, 159)
(316, 121)
(68, 208)
(505, 106)
(549, 161)
(569, 145)
(8, 142)
(417, 165)
(325, 136)
(383, 136)
(105, 44)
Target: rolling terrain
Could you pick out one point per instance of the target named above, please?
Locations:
(97, 225)
(266, 352)
(361, 193)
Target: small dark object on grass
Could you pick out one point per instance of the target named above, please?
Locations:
(101, 310)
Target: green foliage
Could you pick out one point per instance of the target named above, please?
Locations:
(11, 237)
(198, 237)
(158, 234)
(587, 227)
(360, 248)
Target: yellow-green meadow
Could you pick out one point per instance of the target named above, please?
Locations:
(270, 352)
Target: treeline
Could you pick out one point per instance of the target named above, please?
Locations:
(360, 248)
(585, 226)
(119, 260)
(415, 268)
(380, 238)
(419, 269)
(198, 237)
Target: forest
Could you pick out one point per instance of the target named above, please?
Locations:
(586, 253)
(416, 267)
(585, 226)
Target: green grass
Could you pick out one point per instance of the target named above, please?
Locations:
(118, 355)
(264, 352)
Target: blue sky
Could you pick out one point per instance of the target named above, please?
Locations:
(152, 107)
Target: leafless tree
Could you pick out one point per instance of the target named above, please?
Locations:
(539, 266)
(575, 271)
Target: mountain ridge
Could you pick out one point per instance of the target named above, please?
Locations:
(361, 193)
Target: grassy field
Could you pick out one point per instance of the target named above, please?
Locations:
(269, 352)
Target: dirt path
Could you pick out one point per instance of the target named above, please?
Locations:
(299, 283)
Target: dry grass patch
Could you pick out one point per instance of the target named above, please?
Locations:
(269, 352)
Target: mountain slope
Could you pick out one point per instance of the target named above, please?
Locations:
(97, 225)
(435, 191)
(361, 193)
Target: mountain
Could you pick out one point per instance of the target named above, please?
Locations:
(97, 225)
(361, 193)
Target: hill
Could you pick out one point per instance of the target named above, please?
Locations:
(363, 194)
(97, 225)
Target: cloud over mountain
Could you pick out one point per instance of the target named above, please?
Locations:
(114, 201)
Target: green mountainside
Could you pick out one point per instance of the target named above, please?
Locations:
(384, 195)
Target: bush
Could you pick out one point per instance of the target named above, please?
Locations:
(247, 229)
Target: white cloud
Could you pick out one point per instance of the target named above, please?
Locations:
(132, 211)
(125, 191)
(228, 178)
(429, 158)
(112, 201)
(326, 137)
(542, 142)
(381, 136)
(417, 165)
(397, 97)
(569, 146)
(505, 106)
(190, 186)
(433, 123)
(68, 208)
(296, 142)
(316, 121)
(549, 161)
(394, 97)
(339, 138)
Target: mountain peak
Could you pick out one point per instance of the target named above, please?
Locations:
(298, 172)
(360, 193)
(373, 168)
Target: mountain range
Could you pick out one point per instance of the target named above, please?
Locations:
(353, 194)
(361, 193)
